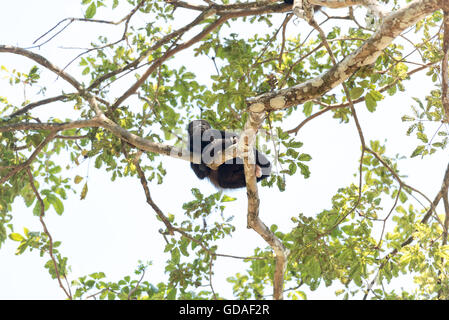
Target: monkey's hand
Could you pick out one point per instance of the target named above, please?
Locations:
(219, 151)
(258, 171)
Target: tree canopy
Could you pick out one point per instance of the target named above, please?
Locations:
(267, 70)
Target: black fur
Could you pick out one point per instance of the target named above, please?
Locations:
(203, 140)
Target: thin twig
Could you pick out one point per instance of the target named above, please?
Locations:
(137, 285)
(44, 226)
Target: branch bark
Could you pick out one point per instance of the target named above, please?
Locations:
(392, 26)
(246, 149)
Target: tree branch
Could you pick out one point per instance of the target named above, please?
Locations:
(44, 226)
(43, 62)
(392, 26)
(246, 148)
(33, 105)
(27, 163)
(443, 191)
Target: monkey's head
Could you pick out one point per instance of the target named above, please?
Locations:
(197, 127)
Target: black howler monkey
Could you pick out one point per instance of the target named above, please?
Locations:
(231, 173)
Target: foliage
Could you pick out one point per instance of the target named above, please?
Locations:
(375, 230)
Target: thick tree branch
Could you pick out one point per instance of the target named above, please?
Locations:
(144, 144)
(347, 104)
(392, 26)
(166, 56)
(372, 5)
(229, 13)
(246, 149)
(172, 229)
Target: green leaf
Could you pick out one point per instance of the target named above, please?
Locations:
(419, 150)
(171, 295)
(370, 102)
(422, 136)
(280, 181)
(308, 107)
(37, 209)
(57, 204)
(407, 118)
(356, 93)
(227, 199)
(91, 10)
(175, 254)
(292, 168)
(183, 248)
(403, 197)
(305, 157)
(78, 179)
(84, 192)
(16, 237)
(304, 170)
(376, 95)
(295, 144)
(301, 294)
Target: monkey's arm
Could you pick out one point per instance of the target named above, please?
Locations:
(219, 151)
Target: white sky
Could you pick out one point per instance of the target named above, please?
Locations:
(114, 227)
